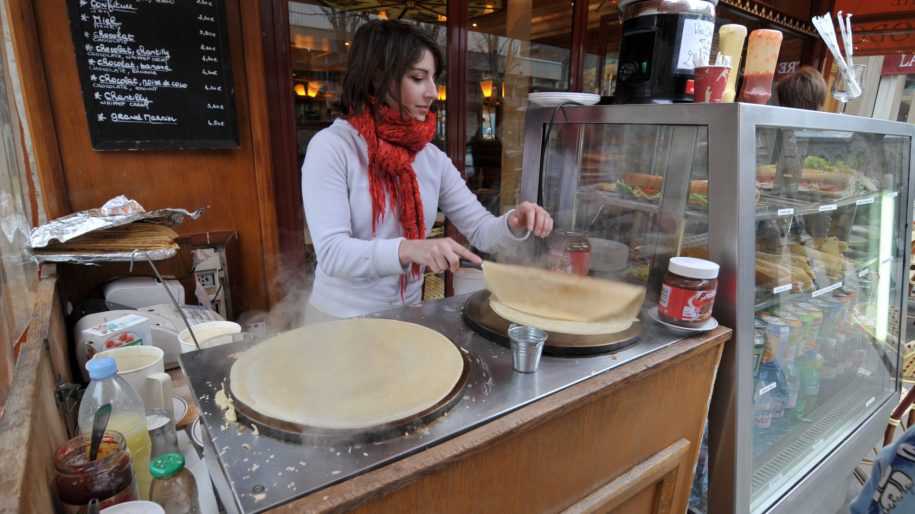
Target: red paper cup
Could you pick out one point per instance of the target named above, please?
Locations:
(710, 84)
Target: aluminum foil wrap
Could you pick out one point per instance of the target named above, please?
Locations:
(98, 258)
(115, 212)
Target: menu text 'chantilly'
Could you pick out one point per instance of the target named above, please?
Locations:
(155, 74)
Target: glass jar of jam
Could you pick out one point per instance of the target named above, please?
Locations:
(109, 477)
(688, 292)
(569, 252)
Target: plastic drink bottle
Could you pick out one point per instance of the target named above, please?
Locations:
(128, 415)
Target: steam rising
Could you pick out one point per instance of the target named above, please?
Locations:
(289, 313)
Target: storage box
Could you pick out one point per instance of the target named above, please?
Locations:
(130, 330)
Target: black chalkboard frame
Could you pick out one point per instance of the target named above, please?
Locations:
(106, 140)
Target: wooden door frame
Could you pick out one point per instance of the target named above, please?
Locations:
(290, 214)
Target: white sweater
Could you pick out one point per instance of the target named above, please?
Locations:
(357, 273)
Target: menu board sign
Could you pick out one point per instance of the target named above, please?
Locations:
(155, 74)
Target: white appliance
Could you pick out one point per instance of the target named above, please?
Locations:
(164, 325)
(137, 292)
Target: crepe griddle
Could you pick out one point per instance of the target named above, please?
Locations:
(481, 318)
(296, 432)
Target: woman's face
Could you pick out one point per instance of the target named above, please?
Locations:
(417, 88)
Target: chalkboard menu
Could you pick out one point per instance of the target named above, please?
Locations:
(155, 74)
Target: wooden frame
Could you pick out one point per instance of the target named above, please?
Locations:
(281, 112)
(33, 426)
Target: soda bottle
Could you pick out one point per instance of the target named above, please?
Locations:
(128, 415)
(793, 381)
(810, 381)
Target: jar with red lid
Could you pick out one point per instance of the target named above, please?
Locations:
(688, 292)
(109, 477)
(569, 252)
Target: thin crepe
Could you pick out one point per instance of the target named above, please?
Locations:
(578, 328)
(562, 296)
(347, 374)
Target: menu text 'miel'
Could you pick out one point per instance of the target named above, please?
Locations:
(155, 74)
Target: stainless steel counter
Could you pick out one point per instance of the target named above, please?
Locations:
(254, 472)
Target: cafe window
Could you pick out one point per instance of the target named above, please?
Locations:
(603, 44)
(321, 32)
(18, 275)
(513, 48)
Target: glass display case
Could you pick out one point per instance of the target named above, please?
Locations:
(807, 213)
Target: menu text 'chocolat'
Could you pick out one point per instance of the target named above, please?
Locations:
(155, 74)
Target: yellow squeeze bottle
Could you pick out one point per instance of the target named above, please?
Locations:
(730, 43)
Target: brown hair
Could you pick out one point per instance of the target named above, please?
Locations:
(803, 89)
(381, 53)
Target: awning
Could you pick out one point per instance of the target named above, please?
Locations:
(880, 27)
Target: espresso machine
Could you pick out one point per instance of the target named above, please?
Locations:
(661, 42)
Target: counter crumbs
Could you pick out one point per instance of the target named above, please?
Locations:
(246, 446)
(337, 472)
(254, 467)
(259, 497)
(255, 430)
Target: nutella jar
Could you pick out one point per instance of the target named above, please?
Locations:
(688, 292)
(569, 252)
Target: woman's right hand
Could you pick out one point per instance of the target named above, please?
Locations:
(436, 254)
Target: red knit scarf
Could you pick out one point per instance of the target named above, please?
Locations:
(393, 142)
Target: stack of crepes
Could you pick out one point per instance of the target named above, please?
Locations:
(122, 238)
(561, 302)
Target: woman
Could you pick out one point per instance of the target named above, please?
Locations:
(372, 183)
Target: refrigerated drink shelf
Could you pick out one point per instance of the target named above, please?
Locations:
(794, 453)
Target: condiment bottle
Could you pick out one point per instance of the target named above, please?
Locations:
(688, 292)
(109, 477)
(128, 416)
(569, 252)
(762, 56)
(173, 486)
(730, 43)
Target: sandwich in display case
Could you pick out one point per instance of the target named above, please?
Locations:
(807, 214)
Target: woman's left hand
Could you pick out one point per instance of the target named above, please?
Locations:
(532, 217)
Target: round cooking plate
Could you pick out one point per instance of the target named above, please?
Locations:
(478, 314)
(378, 363)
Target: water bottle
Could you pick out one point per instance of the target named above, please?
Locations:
(762, 419)
(128, 415)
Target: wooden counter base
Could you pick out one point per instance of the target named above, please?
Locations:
(625, 440)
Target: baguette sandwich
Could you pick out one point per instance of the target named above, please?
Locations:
(828, 182)
(645, 186)
(642, 186)
(698, 192)
(812, 180)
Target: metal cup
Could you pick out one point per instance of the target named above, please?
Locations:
(527, 345)
(161, 426)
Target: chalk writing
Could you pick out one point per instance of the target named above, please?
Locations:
(148, 87)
